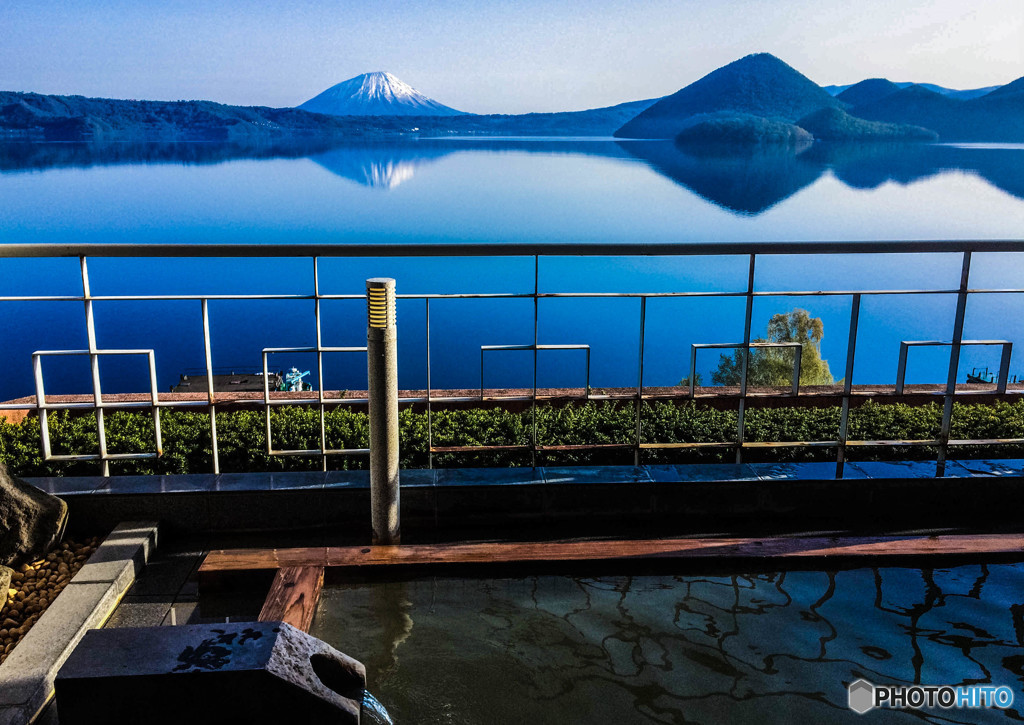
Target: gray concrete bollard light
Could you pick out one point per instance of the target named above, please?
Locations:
(382, 370)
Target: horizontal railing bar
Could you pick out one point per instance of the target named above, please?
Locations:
(169, 297)
(509, 249)
(444, 296)
(471, 449)
(763, 293)
(108, 457)
(637, 294)
(787, 393)
(909, 391)
(971, 393)
(584, 446)
(90, 406)
(947, 343)
(56, 353)
(327, 452)
(193, 298)
(178, 404)
(847, 292)
(535, 347)
(313, 349)
(499, 295)
(790, 444)
(112, 405)
(756, 293)
(55, 406)
(986, 441)
(717, 444)
(890, 444)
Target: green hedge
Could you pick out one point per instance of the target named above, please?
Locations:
(242, 435)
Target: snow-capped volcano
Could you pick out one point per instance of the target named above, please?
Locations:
(376, 94)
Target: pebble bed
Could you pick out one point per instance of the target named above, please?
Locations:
(35, 585)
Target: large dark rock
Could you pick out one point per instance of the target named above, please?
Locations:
(31, 521)
(212, 674)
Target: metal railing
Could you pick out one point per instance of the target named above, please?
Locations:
(537, 252)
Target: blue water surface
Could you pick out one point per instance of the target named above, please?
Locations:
(469, 191)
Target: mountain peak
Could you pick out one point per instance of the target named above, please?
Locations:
(868, 91)
(378, 93)
(756, 85)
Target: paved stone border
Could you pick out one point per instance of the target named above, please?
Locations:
(26, 678)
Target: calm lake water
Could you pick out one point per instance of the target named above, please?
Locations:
(742, 648)
(506, 190)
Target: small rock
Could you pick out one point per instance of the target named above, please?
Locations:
(6, 575)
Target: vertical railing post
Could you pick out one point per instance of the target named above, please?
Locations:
(382, 373)
(536, 339)
(954, 363)
(94, 364)
(741, 411)
(209, 386)
(844, 416)
(320, 363)
(640, 383)
(430, 416)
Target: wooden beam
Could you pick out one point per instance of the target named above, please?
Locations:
(355, 558)
(293, 596)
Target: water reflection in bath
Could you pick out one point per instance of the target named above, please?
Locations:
(769, 647)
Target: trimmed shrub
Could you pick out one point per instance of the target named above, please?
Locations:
(242, 435)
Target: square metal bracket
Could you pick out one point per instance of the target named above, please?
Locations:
(98, 405)
(491, 348)
(1004, 361)
(739, 346)
(323, 450)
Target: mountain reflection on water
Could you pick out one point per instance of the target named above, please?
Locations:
(379, 166)
(745, 183)
(758, 648)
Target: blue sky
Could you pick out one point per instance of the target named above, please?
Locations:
(490, 57)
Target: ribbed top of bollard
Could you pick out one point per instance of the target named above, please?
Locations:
(380, 302)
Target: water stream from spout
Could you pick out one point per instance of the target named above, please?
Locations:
(374, 713)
